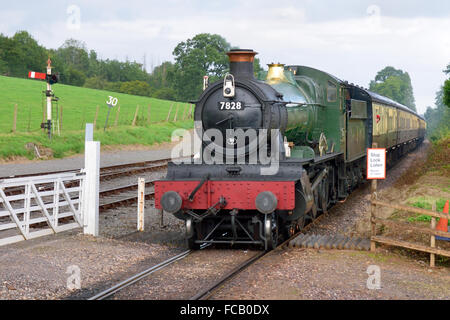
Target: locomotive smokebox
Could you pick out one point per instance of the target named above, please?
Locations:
(241, 62)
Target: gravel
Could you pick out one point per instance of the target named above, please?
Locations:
(44, 263)
(334, 274)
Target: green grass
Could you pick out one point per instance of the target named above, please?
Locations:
(79, 107)
(73, 142)
(426, 203)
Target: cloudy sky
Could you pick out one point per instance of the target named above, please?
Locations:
(352, 39)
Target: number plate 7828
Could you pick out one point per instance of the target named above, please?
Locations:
(231, 105)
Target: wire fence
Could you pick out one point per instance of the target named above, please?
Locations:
(28, 118)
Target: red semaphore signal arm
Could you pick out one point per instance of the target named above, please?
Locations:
(36, 75)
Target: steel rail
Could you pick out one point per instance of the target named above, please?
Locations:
(124, 201)
(110, 291)
(120, 189)
(107, 168)
(206, 293)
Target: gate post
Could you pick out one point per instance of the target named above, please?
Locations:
(91, 187)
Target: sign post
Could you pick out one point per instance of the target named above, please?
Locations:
(376, 170)
(112, 102)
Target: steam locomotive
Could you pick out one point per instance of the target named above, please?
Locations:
(277, 151)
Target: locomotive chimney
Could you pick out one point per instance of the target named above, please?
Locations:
(241, 62)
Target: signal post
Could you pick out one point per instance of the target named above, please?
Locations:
(49, 95)
(50, 79)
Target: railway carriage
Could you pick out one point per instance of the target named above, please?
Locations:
(311, 126)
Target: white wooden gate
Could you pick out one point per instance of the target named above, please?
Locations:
(35, 206)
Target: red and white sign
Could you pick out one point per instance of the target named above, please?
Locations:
(376, 163)
(36, 75)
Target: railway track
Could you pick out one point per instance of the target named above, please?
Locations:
(106, 174)
(108, 171)
(201, 295)
(209, 291)
(128, 282)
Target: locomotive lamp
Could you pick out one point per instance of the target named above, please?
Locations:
(171, 202)
(228, 86)
(266, 202)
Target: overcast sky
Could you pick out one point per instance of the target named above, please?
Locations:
(351, 39)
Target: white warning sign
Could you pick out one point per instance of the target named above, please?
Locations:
(376, 163)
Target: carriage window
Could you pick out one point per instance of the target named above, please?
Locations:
(331, 92)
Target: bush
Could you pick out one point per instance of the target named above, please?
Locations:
(74, 77)
(165, 94)
(136, 87)
(95, 83)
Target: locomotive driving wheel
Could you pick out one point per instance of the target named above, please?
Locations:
(191, 234)
(324, 196)
(271, 231)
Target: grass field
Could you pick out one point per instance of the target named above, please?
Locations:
(79, 106)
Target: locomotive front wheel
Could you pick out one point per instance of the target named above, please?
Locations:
(191, 235)
(271, 231)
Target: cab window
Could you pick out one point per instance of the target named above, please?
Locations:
(331, 92)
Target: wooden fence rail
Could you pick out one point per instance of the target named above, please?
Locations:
(432, 250)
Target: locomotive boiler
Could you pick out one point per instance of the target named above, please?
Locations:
(278, 150)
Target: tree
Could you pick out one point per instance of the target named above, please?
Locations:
(165, 94)
(73, 53)
(73, 77)
(204, 54)
(20, 54)
(136, 87)
(446, 94)
(257, 68)
(438, 118)
(162, 76)
(95, 82)
(395, 84)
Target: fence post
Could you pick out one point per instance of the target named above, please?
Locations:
(373, 208)
(117, 116)
(148, 114)
(184, 112)
(96, 115)
(29, 118)
(61, 118)
(433, 238)
(170, 110)
(176, 113)
(141, 204)
(83, 122)
(91, 187)
(190, 111)
(135, 116)
(15, 118)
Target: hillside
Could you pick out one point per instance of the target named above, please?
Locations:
(79, 106)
